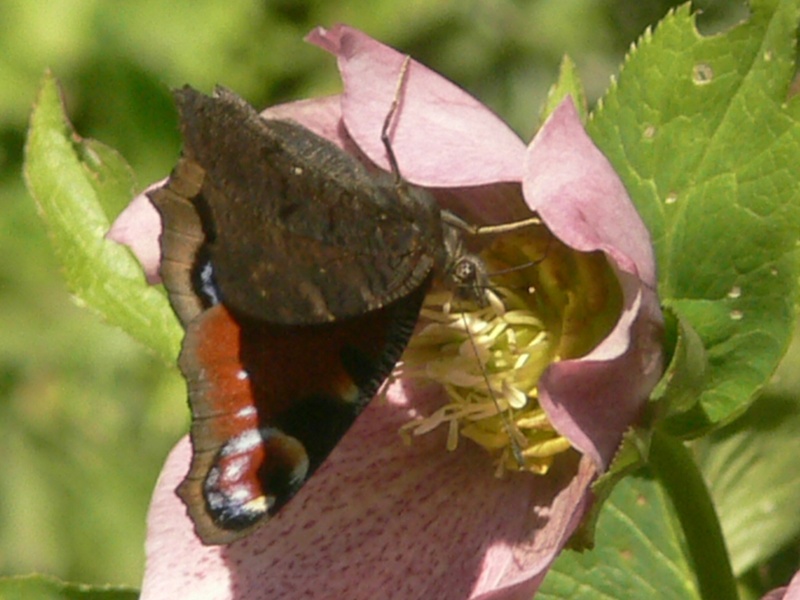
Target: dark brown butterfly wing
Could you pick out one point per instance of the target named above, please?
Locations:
(299, 278)
(295, 231)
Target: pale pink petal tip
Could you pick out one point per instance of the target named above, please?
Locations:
(441, 135)
(139, 227)
(323, 116)
(577, 192)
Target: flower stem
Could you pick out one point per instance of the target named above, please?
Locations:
(678, 472)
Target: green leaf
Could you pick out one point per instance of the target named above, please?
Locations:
(701, 133)
(751, 469)
(686, 374)
(74, 183)
(39, 587)
(569, 84)
(639, 552)
(630, 456)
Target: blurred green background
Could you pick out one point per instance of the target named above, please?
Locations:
(86, 415)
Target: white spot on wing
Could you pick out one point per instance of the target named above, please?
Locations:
(243, 443)
(207, 284)
(246, 412)
(235, 468)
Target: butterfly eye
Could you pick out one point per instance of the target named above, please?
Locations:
(468, 277)
(465, 272)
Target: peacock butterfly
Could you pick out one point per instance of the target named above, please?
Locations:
(298, 276)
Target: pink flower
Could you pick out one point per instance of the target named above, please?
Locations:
(383, 519)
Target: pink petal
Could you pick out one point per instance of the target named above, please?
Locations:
(594, 399)
(442, 136)
(579, 196)
(178, 566)
(378, 516)
(323, 116)
(517, 570)
(138, 227)
(790, 592)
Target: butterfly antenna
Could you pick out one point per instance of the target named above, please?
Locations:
(527, 265)
(387, 123)
(505, 227)
(511, 431)
(460, 224)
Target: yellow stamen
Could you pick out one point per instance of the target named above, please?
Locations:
(530, 321)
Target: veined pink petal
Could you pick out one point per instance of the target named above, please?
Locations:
(178, 566)
(568, 181)
(377, 516)
(442, 136)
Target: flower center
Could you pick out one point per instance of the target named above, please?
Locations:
(547, 303)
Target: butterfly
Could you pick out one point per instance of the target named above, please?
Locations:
(298, 275)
